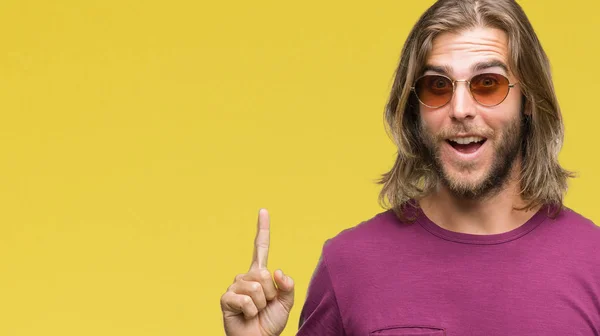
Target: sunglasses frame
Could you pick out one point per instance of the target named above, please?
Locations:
(468, 81)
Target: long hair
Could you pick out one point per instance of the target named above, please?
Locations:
(542, 180)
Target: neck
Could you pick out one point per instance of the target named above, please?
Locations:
(487, 215)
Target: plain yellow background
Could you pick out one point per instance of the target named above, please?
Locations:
(140, 138)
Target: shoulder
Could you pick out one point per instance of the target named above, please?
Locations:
(369, 238)
(576, 234)
(575, 224)
(372, 228)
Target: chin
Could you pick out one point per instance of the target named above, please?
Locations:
(466, 183)
(470, 173)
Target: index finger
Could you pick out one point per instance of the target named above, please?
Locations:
(261, 242)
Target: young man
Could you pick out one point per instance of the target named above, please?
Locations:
(477, 241)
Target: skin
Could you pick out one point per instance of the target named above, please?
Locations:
(477, 194)
(258, 303)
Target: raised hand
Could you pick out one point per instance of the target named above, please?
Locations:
(254, 305)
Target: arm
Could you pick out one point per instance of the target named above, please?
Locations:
(321, 314)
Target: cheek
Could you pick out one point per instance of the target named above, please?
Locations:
(512, 106)
(432, 120)
(504, 115)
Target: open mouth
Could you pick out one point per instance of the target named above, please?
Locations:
(466, 145)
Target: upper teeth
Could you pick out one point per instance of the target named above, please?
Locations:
(464, 141)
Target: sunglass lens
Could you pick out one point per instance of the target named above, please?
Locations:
(489, 89)
(434, 90)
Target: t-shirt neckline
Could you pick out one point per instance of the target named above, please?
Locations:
(489, 239)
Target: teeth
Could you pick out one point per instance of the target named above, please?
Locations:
(465, 141)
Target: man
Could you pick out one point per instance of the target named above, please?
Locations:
(477, 241)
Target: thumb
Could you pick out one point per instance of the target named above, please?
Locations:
(285, 286)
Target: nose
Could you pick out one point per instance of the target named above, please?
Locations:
(462, 105)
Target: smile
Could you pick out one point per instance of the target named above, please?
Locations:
(466, 148)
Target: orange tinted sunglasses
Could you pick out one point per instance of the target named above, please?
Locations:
(488, 89)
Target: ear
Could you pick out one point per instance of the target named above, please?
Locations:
(525, 106)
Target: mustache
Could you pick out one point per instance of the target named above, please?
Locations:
(455, 130)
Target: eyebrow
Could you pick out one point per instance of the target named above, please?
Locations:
(446, 70)
(443, 69)
(490, 64)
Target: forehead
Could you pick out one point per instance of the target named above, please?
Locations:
(460, 51)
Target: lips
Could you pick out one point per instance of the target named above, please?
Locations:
(467, 147)
(464, 140)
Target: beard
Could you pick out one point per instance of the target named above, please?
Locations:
(505, 152)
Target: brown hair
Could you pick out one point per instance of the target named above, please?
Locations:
(543, 181)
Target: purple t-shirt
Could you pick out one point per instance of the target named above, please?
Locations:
(389, 277)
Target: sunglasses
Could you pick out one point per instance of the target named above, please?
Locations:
(488, 89)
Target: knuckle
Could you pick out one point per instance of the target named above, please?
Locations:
(251, 311)
(261, 305)
(225, 299)
(262, 245)
(253, 275)
(270, 294)
(238, 277)
(255, 287)
(265, 275)
(247, 304)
